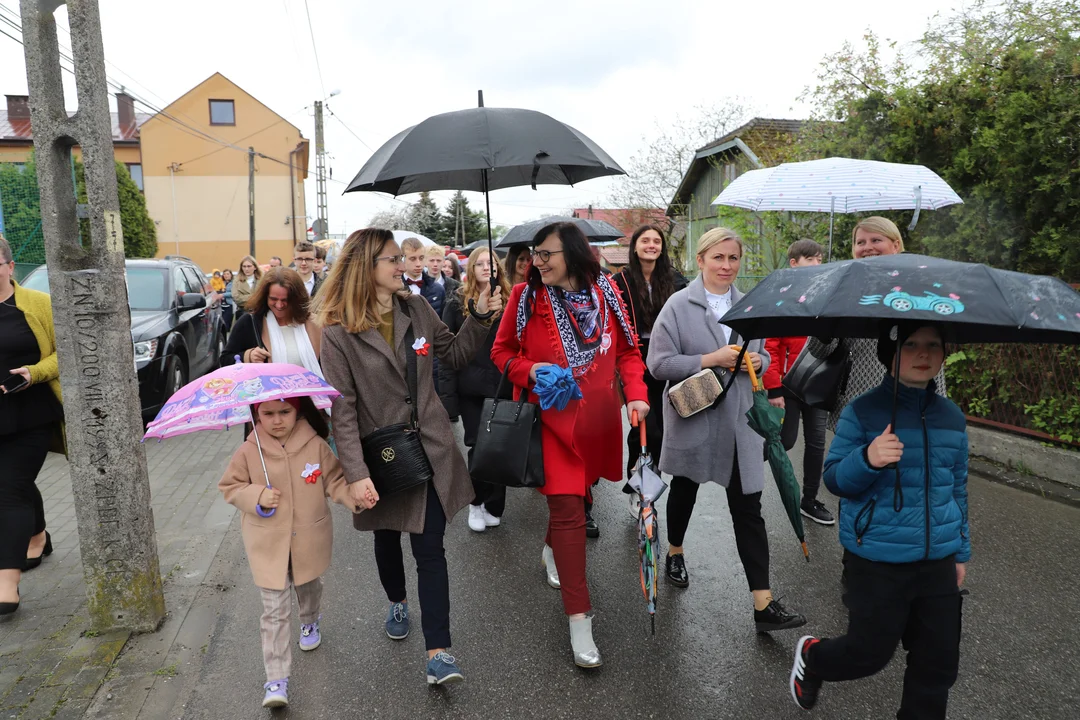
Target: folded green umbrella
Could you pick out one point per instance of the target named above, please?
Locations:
(766, 421)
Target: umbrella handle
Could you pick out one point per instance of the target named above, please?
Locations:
(758, 387)
(638, 424)
(263, 512)
(477, 314)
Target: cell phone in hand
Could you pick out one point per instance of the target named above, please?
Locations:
(15, 383)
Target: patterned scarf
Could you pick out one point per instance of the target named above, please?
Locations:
(581, 319)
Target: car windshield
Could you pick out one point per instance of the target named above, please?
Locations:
(146, 287)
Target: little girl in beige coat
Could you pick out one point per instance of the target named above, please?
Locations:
(289, 543)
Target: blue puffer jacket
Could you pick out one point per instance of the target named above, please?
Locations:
(931, 522)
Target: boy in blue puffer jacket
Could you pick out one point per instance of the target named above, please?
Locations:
(904, 532)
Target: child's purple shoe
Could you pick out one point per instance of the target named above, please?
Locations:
(277, 693)
(309, 635)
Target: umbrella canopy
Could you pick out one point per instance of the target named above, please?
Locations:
(854, 298)
(766, 421)
(515, 147)
(501, 251)
(400, 235)
(222, 398)
(595, 230)
(839, 185)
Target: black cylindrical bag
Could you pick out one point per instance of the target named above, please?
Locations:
(394, 454)
(819, 375)
(508, 450)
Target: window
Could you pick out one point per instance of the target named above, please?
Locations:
(222, 112)
(195, 283)
(135, 169)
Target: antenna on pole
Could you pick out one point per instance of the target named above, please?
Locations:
(480, 98)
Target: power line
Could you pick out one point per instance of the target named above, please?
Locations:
(314, 48)
(334, 115)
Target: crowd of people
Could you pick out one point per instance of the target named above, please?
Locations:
(410, 338)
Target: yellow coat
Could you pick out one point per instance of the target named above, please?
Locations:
(301, 528)
(37, 308)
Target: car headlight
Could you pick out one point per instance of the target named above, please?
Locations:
(145, 350)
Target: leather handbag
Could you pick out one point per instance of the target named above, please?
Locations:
(701, 391)
(819, 375)
(394, 454)
(508, 450)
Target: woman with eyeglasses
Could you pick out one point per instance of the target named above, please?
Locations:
(247, 277)
(366, 314)
(463, 391)
(568, 313)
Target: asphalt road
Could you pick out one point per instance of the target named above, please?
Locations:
(1019, 653)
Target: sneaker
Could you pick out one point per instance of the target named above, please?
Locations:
(635, 505)
(309, 635)
(476, 518)
(592, 530)
(675, 569)
(815, 510)
(277, 693)
(548, 561)
(443, 669)
(397, 621)
(489, 519)
(776, 617)
(804, 686)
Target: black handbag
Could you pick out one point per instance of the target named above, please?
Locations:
(507, 450)
(819, 375)
(394, 454)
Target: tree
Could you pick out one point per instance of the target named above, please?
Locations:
(140, 233)
(654, 173)
(21, 211)
(460, 224)
(395, 218)
(424, 217)
(995, 112)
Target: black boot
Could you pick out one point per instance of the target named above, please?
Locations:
(675, 567)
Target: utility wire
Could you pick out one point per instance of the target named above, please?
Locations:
(351, 132)
(314, 47)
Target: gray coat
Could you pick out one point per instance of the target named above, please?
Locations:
(371, 378)
(701, 447)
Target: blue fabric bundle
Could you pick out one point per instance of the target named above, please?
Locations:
(555, 387)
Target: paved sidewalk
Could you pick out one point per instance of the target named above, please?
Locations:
(51, 664)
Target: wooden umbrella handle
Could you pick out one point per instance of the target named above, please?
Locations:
(638, 424)
(758, 387)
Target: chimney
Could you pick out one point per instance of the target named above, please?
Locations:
(590, 212)
(125, 106)
(18, 107)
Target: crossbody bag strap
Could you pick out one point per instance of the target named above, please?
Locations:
(410, 365)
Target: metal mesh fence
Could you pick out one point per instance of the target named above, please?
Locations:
(20, 213)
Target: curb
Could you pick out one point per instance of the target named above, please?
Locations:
(1033, 484)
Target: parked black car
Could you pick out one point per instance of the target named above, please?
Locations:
(176, 325)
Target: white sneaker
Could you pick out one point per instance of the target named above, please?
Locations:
(476, 518)
(635, 505)
(489, 519)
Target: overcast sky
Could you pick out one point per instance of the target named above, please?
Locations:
(610, 68)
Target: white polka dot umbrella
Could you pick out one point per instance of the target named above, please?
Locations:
(839, 185)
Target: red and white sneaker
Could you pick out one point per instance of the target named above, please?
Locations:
(804, 686)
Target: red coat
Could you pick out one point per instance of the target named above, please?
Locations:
(783, 352)
(584, 441)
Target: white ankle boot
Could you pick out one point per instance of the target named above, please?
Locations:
(586, 654)
(548, 560)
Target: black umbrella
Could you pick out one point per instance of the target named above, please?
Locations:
(595, 230)
(855, 298)
(483, 243)
(483, 149)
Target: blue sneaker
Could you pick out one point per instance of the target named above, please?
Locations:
(277, 693)
(310, 638)
(443, 669)
(397, 621)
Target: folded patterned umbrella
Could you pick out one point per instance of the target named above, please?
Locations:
(648, 483)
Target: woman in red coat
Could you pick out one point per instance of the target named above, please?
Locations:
(568, 314)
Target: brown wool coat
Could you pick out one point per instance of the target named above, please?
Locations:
(301, 528)
(371, 379)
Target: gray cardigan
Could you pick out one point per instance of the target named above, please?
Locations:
(701, 447)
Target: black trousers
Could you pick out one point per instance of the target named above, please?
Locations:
(751, 538)
(432, 580)
(22, 511)
(654, 425)
(917, 604)
(813, 421)
(491, 495)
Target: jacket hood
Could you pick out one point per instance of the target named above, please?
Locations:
(302, 434)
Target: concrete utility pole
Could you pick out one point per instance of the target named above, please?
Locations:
(93, 324)
(251, 202)
(322, 221)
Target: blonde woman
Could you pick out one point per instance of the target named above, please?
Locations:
(366, 317)
(247, 278)
(716, 445)
(463, 391)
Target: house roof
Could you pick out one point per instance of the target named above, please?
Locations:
(732, 142)
(625, 219)
(615, 254)
(18, 130)
(168, 108)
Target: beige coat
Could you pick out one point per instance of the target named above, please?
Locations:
(241, 292)
(301, 528)
(371, 378)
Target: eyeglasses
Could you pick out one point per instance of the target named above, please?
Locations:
(394, 259)
(303, 260)
(545, 255)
